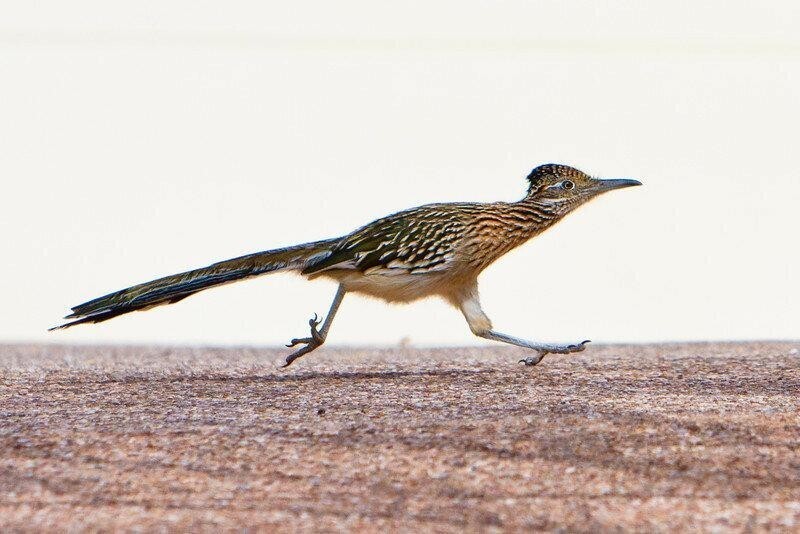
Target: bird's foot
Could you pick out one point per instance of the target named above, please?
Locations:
(311, 343)
(530, 361)
(316, 336)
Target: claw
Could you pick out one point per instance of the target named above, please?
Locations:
(530, 361)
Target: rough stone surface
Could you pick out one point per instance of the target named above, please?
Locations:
(646, 438)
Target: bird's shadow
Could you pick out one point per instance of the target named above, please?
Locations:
(354, 375)
(303, 376)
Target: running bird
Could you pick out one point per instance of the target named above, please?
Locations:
(437, 249)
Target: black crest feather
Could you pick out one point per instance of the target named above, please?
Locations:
(540, 173)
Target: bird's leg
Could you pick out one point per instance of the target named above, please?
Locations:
(481, 326)
(541, 349)
(317, 336)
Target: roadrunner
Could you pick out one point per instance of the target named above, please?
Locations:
(437, 249)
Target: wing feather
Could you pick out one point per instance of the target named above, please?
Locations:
(415, 241)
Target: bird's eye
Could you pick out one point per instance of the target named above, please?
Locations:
(566, 184)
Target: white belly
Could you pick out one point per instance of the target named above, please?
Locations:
(391, 287)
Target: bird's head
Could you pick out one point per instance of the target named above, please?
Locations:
(564, 188)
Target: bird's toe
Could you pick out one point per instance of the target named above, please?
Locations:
(530, 361)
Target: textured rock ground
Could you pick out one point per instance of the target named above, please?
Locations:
(656, 437)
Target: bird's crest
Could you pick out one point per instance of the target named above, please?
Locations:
(547, 172)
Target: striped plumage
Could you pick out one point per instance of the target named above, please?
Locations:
(432, 250)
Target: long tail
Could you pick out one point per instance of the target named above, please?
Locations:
(171, 289)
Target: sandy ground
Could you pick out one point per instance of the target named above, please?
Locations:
(657, 437)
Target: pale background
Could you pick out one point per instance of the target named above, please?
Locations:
(144, 138)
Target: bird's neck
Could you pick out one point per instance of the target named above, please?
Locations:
(507, 226)
(537, 214)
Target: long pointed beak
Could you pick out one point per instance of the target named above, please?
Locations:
(607, 185)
